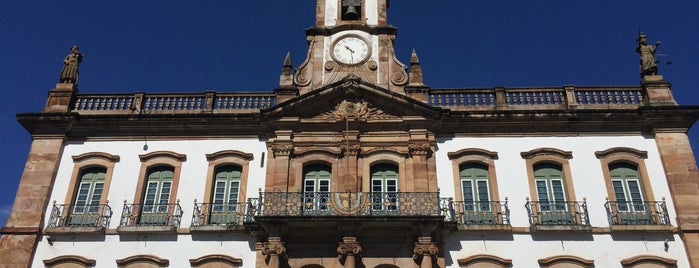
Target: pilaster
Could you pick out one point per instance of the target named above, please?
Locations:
(274, 250)
(60, 99)
(347, 252)
(683, 179)
(425, 252)
(658, 91)
(24, 226)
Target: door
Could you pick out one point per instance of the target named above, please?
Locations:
(629, 195)
(476, 194)
(224, 203)
(551, 193)
(384, 188)
(156, 197)
(316, 188)
(86, 209)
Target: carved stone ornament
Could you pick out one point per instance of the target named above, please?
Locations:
(349, 246)
(419, 148)
(354, 111)
(282, 149)
(425, 248)
(274, 247)
(353, 149)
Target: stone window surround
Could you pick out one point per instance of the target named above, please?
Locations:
(479, 156)
(484, 260)
(384, 158)
(88, 160)
(159, 158)
(627, 155)
(648, 261)
(141, 259)
(216, 259)
(564, 261)
(554, 156)
(70, 260)
(225, 158)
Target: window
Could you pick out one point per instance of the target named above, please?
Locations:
(626, 183)
(316, 187)
(384, 188)
(156, 197)
(224, 203)
(87, 198)
(550, 189)
(476, 193)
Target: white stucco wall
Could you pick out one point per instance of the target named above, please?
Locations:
(525, 249)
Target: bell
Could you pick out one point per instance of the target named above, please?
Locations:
(351, 13)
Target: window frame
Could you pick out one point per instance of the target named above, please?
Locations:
(476, 156)
(630, 156)
(155, 159)
(225, 158)
(551, 156)
(89, 160)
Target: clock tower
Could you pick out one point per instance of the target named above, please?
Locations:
(351, 37)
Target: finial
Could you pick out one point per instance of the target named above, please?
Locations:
(286, 79)
(415, 76)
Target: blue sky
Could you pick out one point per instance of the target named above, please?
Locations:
(239, 45)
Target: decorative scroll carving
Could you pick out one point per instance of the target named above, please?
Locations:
(282, 149)
(347, 250)
(425, 250)
(355, 111)
(353, 149)
(274, 246)
(419, 148)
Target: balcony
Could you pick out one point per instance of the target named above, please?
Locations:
(476, 215)
(73, 218)
(213, 217)
(558, 216)
(319, 218)
(153, 218)
(638, 216)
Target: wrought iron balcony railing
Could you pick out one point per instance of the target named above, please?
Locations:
(558, 213)
(209, 214)
(344, 204)
(151, 215)
(637, 213)
(73, 215)
(481, 213)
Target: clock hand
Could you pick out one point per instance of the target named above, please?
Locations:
(350, 50)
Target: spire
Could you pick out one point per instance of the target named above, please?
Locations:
(415, 76)
(286, 79)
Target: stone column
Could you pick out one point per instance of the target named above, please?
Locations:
(24, 226)
(347, 251)
(681, 173)
(425, 250)
(273, 250)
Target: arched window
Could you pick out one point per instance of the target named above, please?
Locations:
(156, 195)
(550, 186)
(384, 188)
(475, 190)
(224, 198)
(316, 187)
(86, 205)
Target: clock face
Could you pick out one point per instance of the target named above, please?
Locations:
(350, 50)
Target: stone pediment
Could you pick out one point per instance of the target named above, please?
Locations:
(354, 99)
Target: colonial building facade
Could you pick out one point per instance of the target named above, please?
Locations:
(354, 162)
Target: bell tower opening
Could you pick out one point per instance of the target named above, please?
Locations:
(351, 10)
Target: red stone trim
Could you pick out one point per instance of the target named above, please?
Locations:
(142, 258)
(485, 258)
(216, 258)
(70, 259)
(334, 152)
(547, 151)
(386, 150)
(472, 151)
(648, 259)
(173, 155)
(550, 261)
(621, 150)
(21, 230)
(101, 155)
(230, 153)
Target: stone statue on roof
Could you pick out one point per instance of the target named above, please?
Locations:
(649, 65)
(69, 73)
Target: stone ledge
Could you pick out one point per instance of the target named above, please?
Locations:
(74, 230)
(485, 227)
(146, 229)
(560, 228)
(217, 228)
(643, 228)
